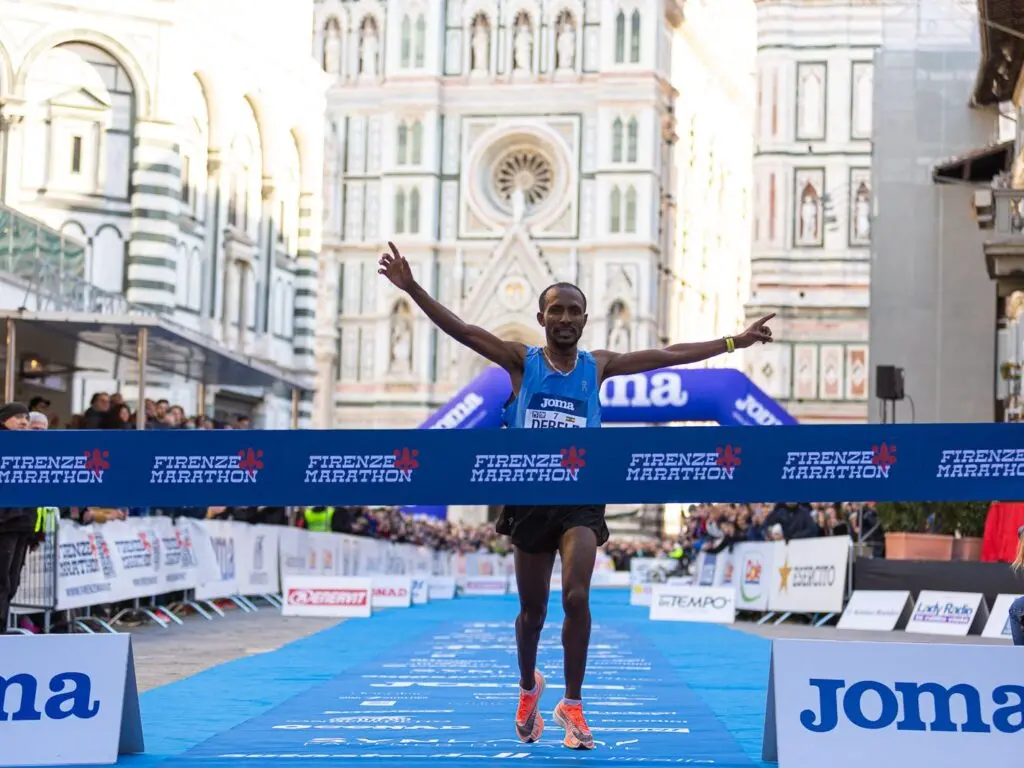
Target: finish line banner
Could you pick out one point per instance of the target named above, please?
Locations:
(187, 468)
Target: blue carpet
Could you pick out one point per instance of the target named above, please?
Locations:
(437, 683)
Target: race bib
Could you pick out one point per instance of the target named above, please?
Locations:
(550, 412)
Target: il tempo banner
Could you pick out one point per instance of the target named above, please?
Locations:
(190, 468)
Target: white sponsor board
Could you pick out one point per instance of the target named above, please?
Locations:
(68, 700)
(998, 625)
(420, 591)
(327, 596)
(441, 587)
(901, 704)
(753, 563)
(217, 578)
(716, 570)
(947, 613)
(391, 591)
(256, 559)
(809, 575)
(715, 605)
(870, 609)
(478, 586)
(645, 572)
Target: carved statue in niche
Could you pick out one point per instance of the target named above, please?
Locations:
(566, 43)
(523, 44)
(369, 48)
(862, 212)
(401, 339)
(481, 52)
(332, 48)
(809, 229)
(618, 328)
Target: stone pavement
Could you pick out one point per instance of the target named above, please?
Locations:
(165, 655)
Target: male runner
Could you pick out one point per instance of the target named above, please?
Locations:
(556, 385)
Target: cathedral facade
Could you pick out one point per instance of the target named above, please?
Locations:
(502, 146)
(813, 206)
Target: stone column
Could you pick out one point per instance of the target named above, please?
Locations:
(152, 268)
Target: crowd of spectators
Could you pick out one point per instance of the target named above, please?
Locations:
(109, 411)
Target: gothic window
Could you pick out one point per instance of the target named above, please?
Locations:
(620, 38)
(407, 211)
(617, 141)
(416, 150)
(402, 154)
(409, 150)
(400, 211)
(632, 138)
(634, 38)
(288, 200)
(414, 211)
(630, 210)
(195, 143)
(406, 47)
(615, 211)
(420, 41)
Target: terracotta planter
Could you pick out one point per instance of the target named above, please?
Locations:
(918, 546)
(967, 548)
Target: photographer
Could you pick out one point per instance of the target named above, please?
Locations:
(17, 525)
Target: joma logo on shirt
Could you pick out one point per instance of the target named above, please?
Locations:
(552, 402)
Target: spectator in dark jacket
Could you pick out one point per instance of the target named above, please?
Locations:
(96, 412)
(796, 520)
(17, 525)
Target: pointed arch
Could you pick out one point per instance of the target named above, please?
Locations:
(405, 52)
(420, 42)
(414, 211)
(399, 211)
(416, 143)
(402, 149)
(632, 140)
(620, 37)
(634, 37)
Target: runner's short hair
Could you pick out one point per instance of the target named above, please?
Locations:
(542, 301)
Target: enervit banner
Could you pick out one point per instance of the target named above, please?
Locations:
(879, 610)
(326, 596)
(902, 462)
(947, 613)
(68, 700)
(998, 625)
(754, 563)
(901, 704)
(715, 605)
(809, 575)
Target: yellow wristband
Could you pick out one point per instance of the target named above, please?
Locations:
(730, 345)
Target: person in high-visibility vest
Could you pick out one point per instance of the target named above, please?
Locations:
(318, 519)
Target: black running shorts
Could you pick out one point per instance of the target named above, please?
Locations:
(538, 529)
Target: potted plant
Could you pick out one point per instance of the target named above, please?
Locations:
(968, 528)
(907, 527)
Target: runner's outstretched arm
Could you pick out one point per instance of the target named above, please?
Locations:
(509, 355)
(625, 363)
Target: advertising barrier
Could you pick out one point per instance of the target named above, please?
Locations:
(392, 591)
(327, 596)
(998, 625)
(948, 613)
(68, 700)
(716, 605)
(892, 704)
(881, 610)
(809, 575)
(190, 468)
(754, 562)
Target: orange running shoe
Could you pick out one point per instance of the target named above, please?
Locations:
(529, 723)
(577, 732)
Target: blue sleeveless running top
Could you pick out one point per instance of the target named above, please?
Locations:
(551, 399)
